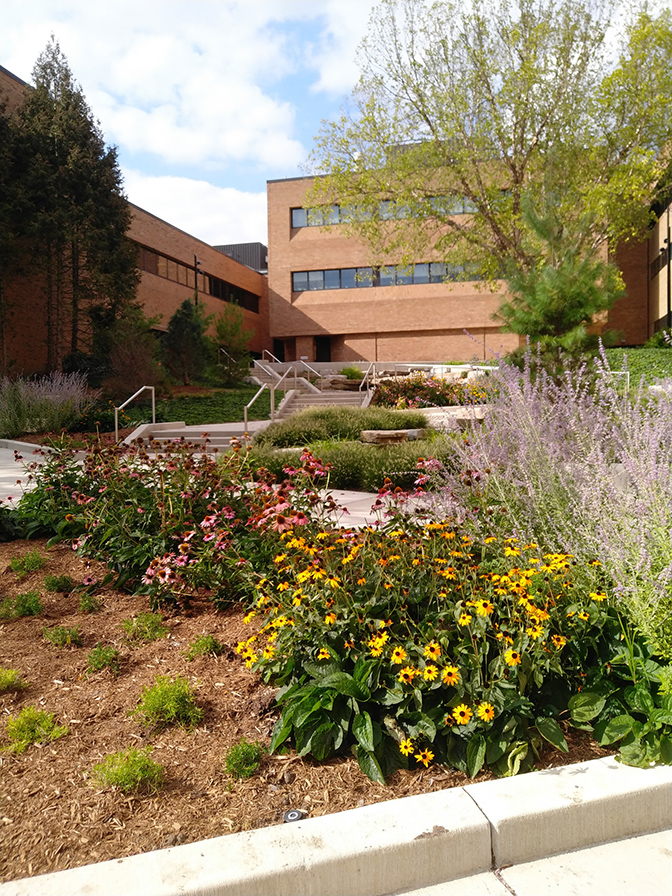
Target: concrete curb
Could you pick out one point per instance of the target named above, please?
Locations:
(396, 845)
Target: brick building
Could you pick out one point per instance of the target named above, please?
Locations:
(321, 300)
(168, 259)
(326, 303)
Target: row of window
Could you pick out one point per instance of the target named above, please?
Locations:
(387, 211)
(179, 272)
(397, 275)
(228, 292)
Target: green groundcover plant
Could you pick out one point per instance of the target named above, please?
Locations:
(11, 680)
(244, 758)
(63, 636)
(32, 726)
(130, 771)
(204, 645)
(30, 562)
(102, 657)
(169, 702)
(26, 604)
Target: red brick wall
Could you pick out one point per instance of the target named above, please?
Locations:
(630, 314)
(160, 296)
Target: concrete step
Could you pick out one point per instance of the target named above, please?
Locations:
(298, 402)
(207, 436)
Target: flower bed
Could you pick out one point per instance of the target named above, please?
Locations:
(421, 641)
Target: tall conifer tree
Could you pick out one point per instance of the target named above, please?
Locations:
(74, 215)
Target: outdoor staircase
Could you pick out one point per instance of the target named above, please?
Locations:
(300, 393)
(298, 401)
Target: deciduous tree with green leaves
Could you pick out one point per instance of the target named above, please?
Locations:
(465, 113)
(233, 337)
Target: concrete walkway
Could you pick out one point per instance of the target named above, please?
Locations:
(13, 478)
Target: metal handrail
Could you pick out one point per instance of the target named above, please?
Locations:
(312, 370)
(128, 401)
(267, 352)
(273, 387)
(365, 378)
(250, 403)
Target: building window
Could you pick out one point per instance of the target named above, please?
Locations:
(299, 217)
(315, 217)
(388, 210)
(397, 275)
(235, 295)
(179, 272)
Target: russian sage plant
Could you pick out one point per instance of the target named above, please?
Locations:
(47, 403)
(583, 467)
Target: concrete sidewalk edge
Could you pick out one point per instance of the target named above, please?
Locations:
(395, 845)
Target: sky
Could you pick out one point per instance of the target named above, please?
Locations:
(205, 100)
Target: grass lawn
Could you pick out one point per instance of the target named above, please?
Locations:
(218, 406)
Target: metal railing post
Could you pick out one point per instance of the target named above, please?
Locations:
(128, 401)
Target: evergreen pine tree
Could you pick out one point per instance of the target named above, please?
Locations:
(74, 214)
(186, 345)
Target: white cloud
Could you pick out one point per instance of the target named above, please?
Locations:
(216, 215)
(192, 81)
(334, 55)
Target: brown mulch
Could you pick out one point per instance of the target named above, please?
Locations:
(53, 817)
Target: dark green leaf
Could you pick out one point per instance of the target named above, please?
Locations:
(363, 731)
(666, 750)
(370, 765)
(585, 706)
(322, 740)
(552, 732)
(281, 732)
(346, 684)
(639, 698)
(475, 755)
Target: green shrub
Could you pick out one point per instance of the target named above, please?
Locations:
(99, 417)
(62, 636)
(352, 373)
(318, 424)
(30, 562)
(205, 645)
(32, 726)
(359, 466)
(169, 702)
(27, 604)
(103, 658)
(10, 680)
(89, 603)
(60, 584)
(130, 770)
(144, 627)
(244, 758)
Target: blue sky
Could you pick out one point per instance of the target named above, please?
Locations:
(205, 99)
